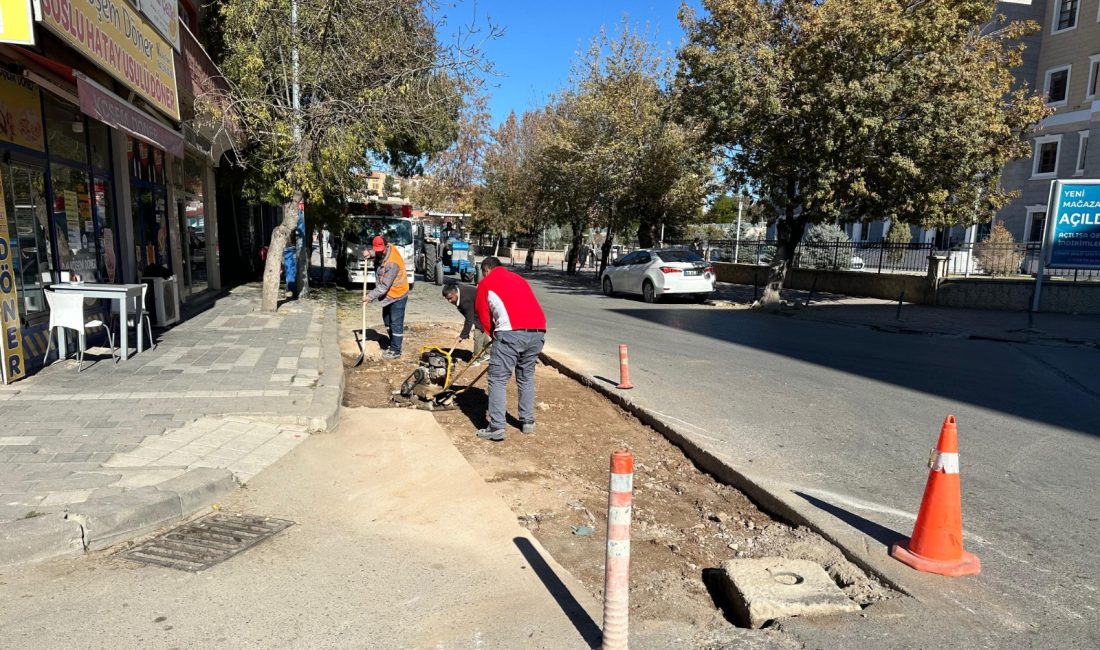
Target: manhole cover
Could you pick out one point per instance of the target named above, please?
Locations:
(203, 543)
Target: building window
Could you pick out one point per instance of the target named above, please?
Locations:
(1065, 15)
(1035, 227)
(1057, 85)
(1082, 151)
(1094, 76)
(1045, 163)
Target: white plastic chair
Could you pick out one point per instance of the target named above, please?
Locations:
(138, 312)
(67, 312)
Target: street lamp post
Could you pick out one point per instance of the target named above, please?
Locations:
(737, 240)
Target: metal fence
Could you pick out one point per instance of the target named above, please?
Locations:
(966, 260)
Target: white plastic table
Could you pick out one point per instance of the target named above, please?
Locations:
(123, 294)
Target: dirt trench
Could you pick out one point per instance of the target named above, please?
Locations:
(685, 523)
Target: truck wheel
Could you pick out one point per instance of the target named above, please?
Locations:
(438, 274)
(430, 263)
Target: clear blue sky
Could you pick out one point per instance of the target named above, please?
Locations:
(533, 57)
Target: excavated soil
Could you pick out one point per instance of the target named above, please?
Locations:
(685, 523)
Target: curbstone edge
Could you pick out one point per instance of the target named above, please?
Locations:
(47, 537)
(110, 520)
(198, 488)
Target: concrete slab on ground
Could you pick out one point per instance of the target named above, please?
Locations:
(771, 588)
(399, 544)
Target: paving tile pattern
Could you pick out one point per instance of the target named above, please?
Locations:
(67, 437)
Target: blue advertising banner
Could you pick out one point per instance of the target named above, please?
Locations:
(1074, 229)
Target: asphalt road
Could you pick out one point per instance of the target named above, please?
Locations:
(846, 417)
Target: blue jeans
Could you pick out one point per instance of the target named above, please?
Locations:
(518, 352)
(393, 315)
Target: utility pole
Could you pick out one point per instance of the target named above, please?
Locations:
(305, 253)
(737, 240)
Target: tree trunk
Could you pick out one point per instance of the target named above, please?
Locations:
(645, 235)
(575, 249)
(496, 246)
(605, 251)
(270, 300)
(529, 263)
(789, 231)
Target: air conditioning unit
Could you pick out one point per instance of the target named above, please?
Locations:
(163, 301)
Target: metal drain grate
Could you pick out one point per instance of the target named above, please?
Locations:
(203, 543)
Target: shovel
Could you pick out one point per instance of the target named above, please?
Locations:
(362, 338)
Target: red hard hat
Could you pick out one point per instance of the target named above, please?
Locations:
(378, 244)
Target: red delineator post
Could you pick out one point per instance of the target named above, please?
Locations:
(616, 593)
(624, 369)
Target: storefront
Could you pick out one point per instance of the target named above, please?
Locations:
(55, 168)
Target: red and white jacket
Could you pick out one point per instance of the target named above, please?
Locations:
(505, 302)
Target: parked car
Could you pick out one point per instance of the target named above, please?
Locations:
(657, 273)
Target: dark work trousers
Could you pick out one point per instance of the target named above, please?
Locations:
(513, 352)
(393, 315)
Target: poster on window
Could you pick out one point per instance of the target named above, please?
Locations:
(12, 361)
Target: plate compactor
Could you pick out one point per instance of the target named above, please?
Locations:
(434, 381)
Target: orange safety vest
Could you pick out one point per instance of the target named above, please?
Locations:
(400, 285)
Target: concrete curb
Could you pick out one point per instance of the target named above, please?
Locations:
(328, 396)
(772, 497)
(99, 523)
(47, 537)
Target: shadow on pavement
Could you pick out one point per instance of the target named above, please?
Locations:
(882, 534)
(994, 376)
(580, 619)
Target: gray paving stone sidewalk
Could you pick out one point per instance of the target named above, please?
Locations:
(232, 388)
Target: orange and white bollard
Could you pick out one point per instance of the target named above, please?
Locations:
(616, 593)
(624, 369)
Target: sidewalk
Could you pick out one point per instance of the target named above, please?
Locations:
(995, 325)
(397, 543)
(90, 459)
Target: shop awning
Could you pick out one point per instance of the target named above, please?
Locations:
(103, 105)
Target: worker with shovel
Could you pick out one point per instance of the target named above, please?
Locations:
(464, 298)
(391, 291)
(513, 319)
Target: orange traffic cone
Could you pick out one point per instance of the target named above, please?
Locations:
(937, 542)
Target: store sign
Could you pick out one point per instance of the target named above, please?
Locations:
(101, 104)
(116, 38)
(20, 112)
(1074, 228)
(164, 15)
(16, 22)
(11, 339)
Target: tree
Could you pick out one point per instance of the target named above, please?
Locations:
(843, 110)
(723, 210)
(508, 201)
(825, 246)
(998, 253)
(451, 176)
(899, 236)
(390, 186)
(312, 98)
(628, 165)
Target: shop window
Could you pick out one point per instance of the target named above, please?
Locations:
(102, 192)
(146, 162)
(72, 218)
(100, 137)
(65, 126)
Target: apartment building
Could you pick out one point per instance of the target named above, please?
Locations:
(1067, 70)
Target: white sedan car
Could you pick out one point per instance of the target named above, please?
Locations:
(657, 273)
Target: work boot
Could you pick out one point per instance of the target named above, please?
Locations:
(488, 433)
(528, 427)
(391, 355)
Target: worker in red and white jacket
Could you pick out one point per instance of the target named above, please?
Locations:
(513, 318)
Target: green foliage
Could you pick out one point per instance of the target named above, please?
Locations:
(374, 78)
(998, 253)
(900, 234)
(825, 246)
(723, 210)
(844, 110)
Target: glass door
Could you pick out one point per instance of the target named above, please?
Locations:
(28, 226)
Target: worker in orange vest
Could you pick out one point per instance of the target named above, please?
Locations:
(391, 290)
